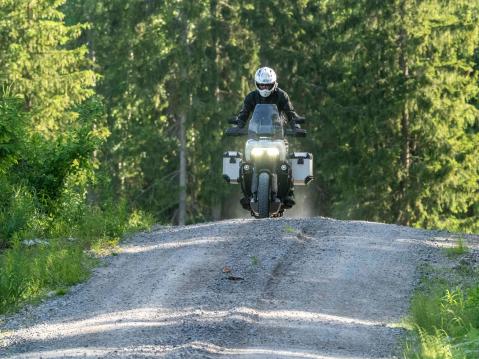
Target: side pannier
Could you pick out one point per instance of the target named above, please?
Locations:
(302, 167)
(231, 166)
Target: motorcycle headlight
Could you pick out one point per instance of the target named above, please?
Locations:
(272, 152)
(257, 152)
(260, 151)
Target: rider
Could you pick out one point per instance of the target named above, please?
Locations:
(268, 92)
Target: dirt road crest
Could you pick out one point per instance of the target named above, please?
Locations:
(309, 288)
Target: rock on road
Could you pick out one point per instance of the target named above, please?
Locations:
(275, 288)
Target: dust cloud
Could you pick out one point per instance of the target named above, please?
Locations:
(306, 205)
(305, 197)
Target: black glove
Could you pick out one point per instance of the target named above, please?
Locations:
(294, 125)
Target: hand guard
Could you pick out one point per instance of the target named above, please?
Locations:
(294, 125)
(240, 124)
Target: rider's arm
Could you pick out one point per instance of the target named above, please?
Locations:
(287, 108)
(248, 107)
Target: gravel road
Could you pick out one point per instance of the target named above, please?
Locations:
(275, 288)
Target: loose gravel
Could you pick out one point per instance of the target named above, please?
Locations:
(274, 288)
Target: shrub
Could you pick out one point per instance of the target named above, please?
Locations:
(446, 323)
(28, 273)
(458, 249)
(19, 214)
(12, 130)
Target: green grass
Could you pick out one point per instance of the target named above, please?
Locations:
(458, 249)
(255, 261)
(20, 213)
(289, 229)
(27, 274)
(62, 291)
(73, 245)
(444, 316)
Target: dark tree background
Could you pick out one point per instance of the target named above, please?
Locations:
(135, 94)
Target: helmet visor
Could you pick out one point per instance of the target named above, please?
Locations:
(264, 86)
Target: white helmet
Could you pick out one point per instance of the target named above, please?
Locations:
(265, 80)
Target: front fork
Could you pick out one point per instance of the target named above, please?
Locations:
(273, 179)
(275, 202)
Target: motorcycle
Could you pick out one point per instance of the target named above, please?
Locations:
(267, 172)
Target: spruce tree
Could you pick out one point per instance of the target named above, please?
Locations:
(395, 128)
(37, 62)
(162, 62)
(443, 179)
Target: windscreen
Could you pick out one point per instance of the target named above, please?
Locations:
(266, 122)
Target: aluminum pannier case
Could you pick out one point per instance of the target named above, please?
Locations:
(302, 167)
(231, 166)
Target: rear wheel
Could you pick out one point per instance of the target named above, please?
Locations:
(263, 195)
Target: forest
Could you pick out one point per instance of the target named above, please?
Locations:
(96, 96)
(101, 100)
(113, 114)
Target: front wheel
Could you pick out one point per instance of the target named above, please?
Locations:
(263, 195)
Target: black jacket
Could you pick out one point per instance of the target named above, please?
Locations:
(278, 97)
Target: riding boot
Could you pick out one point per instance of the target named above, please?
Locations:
(245, 203)
(288, 200)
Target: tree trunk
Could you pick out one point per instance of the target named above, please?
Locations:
(405, 124)
(217, 204)
(183, 174)
(185, 103)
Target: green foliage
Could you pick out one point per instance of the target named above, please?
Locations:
(12, 130)
(29, 272)
(36, 60)
(289, 229)
(42, 159)
(51, 132)
(458, 249)
(424, 310)
(18, 213)
(110, 222)
(48, 174)
(49, 163)
(436, 346)
(396, 114)
(445, 321)
(389, 89)
(160, 62)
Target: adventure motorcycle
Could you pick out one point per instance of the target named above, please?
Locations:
(267, 173)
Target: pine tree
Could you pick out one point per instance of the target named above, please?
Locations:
(37, 62)
(389, 90)
(395, 131)
(443, 179)
(164, 64)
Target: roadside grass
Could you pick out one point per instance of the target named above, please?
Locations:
(66, 254)
(458, 249)
(289, 229)
(30, 273)
(444, 313)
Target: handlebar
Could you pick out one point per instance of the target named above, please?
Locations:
(300, 120)
(236, 131)
(243, 131)
(297, 132)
